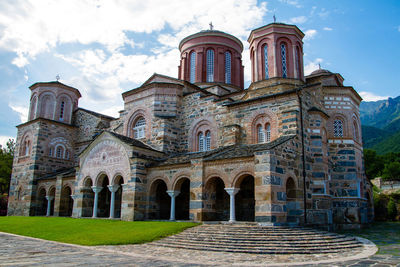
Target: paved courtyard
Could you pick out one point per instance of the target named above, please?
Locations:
(25, 251)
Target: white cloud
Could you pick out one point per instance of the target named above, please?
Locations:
(22, 112)
(311, 66)
(327, 29)
(292, 3)
(4, 139)
(310, 34)
(324, 13)
(298, 20)
(32, 27)
(369, 96)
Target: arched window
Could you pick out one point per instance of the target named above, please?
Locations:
(208, 141)
(50, 152)
(62, 106)
(267, 132)
(228, 67)
(355, 130)
(338, 128)
(192, 67)
(27, 148)
(139, 128)
(283, 59)
(66, 154)
(32, 115)
(266, 61)
(201, 141)
(59, 152)
(298, 62)
(260, 134)
(210, 65)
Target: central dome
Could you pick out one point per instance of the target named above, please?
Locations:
(211, 57)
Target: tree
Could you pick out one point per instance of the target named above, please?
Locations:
(391, 171)
(391, 209)
(374, 164)
(6, 160)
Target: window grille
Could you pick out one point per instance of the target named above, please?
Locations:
(210, 65)
(338, 128)
(266, 61)
(139, 128)
(268, 133)
(201, 141)
(59, 152)
(283, 57)
(62, 110)
(192, 67)
(228, 68)
(260, 134)
(208, 141)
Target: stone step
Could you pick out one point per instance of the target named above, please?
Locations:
(264, 240)
(297, 235)
(255, 250)
(262, 245)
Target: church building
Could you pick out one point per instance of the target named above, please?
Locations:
(287, 150)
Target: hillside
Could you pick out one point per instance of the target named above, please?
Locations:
(381, 125)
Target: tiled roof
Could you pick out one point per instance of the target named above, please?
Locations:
(132, 141)
(226, 152)
(66, 172)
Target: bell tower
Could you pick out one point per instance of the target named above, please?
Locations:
(276, 50)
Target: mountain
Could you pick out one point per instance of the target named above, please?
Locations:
(380, 122)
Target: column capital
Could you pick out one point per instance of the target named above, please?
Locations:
(232, 191)
(113, 188)
(173, 193)
(97, 189)
(49, 198)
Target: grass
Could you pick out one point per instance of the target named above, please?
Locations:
(91, 232)
(386, 235)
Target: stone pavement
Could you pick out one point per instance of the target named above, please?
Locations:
(24, 251)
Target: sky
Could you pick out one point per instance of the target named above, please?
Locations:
(104, 47)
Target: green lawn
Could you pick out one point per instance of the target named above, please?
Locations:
(386, 235)
(91, 232)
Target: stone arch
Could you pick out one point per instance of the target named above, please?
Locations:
(41, 203)
(66, 201)
(345, 124)
(133, 117)
(33, 107)
(291, 188)
(289, 56)
(64, 112)
(25, 146)
(245, 197)
(47, 102)
(203, 124)
(87, 197)
(356, 128)
(238, 177)
(119, 181)
(104, 198)
(213, 172)
(52, 193)
(215, 199)
(159, 200)
(264, 117)
(182, 185)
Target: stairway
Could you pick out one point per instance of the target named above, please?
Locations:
(256, 239)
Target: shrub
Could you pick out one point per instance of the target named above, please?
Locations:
(391, 209)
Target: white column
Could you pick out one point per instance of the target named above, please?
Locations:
(113, 189)
(49, 199)
(96, 190)
(172, 194)
(232, 192)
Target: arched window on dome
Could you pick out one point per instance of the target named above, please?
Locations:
(283, 60)
(200, 138)
(228, 67)
(139, 128)
(192, 67)
(208, 141)
(210, 65)
(62, 107)
(298, 63)
(266, 74)
(60, 152)
(338, 128)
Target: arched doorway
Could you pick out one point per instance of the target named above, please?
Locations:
(103, 205)
(118, 196)
(41, 207)
(66, 202)
(87, 198)
(182, 201)
(160, 201)
(216, 201)
(244, 199)
(52, 194)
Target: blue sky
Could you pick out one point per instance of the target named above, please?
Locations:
(104, 48)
